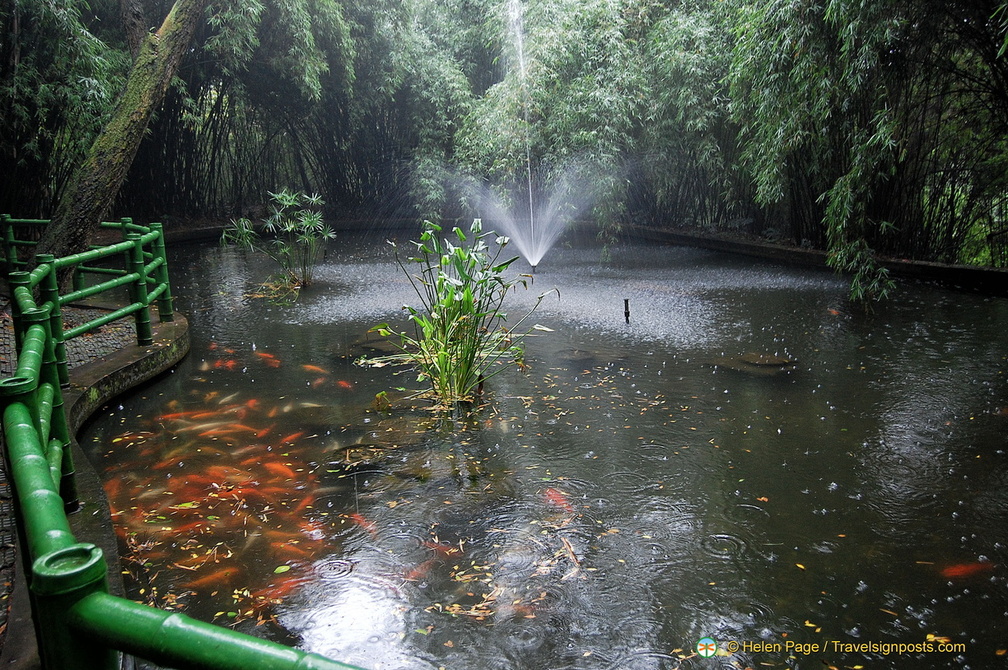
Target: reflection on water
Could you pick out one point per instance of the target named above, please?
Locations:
(748, 459)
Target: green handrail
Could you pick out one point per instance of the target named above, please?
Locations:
(79, 625)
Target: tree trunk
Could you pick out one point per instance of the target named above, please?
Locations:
(96, 183)
(134, 24)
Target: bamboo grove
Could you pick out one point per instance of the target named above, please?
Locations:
(864, 128)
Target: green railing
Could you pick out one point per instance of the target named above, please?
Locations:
(78, 623)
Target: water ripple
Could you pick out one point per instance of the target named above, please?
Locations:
(723, 546)
(333, 569)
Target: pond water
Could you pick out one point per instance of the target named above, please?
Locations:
(747, 459)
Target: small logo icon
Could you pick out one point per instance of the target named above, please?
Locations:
(706, 647)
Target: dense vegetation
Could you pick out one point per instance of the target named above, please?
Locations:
(863, 127)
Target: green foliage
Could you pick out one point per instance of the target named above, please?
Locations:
(297, 236)
(811, 121)
(58, 82)
(460, 335)
(870, 282)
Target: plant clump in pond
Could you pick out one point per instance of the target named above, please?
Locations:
(460, 333)
(296, 239)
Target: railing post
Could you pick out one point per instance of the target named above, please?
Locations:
(10, 249)
(78, 278)
(49, 292)
(166, 311)
(60, 579)
(40, 316)
(14, 280)
(138, 292)
(59, 430)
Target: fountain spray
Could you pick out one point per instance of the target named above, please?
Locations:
(515, 10)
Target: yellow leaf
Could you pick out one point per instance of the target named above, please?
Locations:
(800, 566)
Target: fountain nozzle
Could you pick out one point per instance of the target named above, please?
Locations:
(534, 268)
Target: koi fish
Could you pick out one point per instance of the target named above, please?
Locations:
(291, 437)
(442, 548)
(203, 415)
(344, 384)
(290, 549)
(359, 520)
(280, 469)
(558, 498)
(964, 570)
(268, 359)
(277, 591)
(420, 571)
(306, 502)
(225, 575)
(316, 369)
(178, 415)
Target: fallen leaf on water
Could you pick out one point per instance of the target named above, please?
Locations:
(763, 499)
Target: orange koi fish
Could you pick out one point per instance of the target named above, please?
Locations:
(306, 502)
(442, 548)
(344, 384)
(178, 415)
(558, 498)
(214, 578)
(291, 437)
(290, 549)
(964, 570)
(316, 369)
(315, 530)
(420, 571)
(277, 591)
(359, 520)
(280, 469)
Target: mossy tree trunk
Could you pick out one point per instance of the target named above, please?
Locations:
(97, 181)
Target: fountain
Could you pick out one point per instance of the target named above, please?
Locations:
(533, 233)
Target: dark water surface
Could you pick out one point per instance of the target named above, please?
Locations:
(639, 487)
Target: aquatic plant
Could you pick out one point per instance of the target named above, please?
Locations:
(297, 236)
(459, 332)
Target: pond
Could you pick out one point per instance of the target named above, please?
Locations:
(747, 458)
